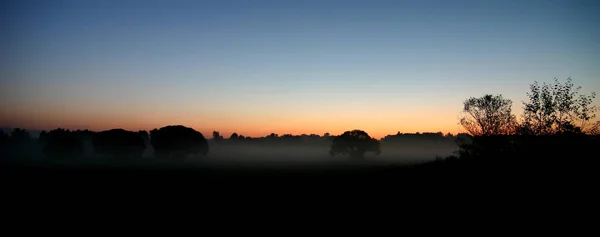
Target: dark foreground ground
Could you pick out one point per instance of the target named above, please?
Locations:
(454, 188)
(446, 174)
(447, 191)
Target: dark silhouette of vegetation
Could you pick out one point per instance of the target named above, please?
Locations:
(488, 121)
(555, 124)
(60, 144)
(19, 135)
(19, 143)
(556, 136)
(234, 136)
(272, 136)
(354, 143)
(4, 138)
(119, 143)
(488, 115)
(144, 135)
(274, 139)
(217, 136)
(437, 137)
(557, 109)
(177, 141)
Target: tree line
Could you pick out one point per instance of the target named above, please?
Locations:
(122, 143)
(170, 142)
(556, 119)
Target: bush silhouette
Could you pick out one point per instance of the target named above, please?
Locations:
(177, 141)
(354, 143)
(119, 143)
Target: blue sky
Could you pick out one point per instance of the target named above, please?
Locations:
(283, 66)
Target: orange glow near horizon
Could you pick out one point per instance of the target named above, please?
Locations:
(285, 69)
(377, 125)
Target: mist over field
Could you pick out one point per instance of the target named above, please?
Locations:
(268, 153)
(318, 153)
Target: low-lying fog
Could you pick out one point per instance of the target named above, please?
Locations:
(270, 155)
(314, 154)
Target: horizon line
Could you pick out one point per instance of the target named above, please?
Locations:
(209, 134)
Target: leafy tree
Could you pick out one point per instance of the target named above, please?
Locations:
(20, 135)
(119, 143)
(354, 143)
(488, 115)
(177, 141)
(43, 133)
(144, 135)
(217, 136)
(557, 109)
(233, 136)
(60, 143)
(3, 137)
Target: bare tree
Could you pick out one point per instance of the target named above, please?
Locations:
(488, 115)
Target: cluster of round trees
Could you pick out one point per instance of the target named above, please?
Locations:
(118, 143)
(171, 142)
(175, 142)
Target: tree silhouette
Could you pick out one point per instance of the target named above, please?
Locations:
(326, 137)
(217, 136)
(234, 136)
(177, 141)
(60, 143)
(144, 135)
(119, 143)
(4, 138)
(20, 135)
(557, 109)
(354, 143)
(488, 115)
(42, 134)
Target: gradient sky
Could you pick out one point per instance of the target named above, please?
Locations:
(256, 67)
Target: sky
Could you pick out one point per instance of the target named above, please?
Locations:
(256, 66)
